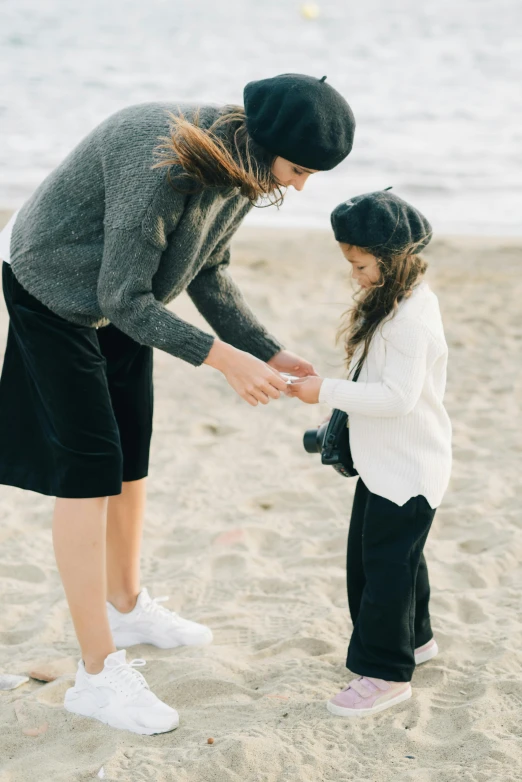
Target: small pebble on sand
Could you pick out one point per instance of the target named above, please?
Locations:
(210, 741)
(50, 670)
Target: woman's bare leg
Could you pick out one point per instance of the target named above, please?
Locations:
(79, 538)
(124, 532)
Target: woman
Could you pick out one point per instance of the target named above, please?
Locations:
(117, 231)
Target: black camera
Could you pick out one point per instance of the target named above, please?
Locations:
(313, 439)
(332, 441)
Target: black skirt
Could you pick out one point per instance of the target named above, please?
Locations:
(76, 403)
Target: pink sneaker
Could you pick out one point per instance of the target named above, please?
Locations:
(367, 695)
(426, 652)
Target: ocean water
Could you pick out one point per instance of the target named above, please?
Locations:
(435, 87)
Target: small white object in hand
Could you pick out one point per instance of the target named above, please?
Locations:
(289, 378)
(9, 681)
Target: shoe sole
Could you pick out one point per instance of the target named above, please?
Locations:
(124, 640)
(429, 654)
(79, 703)
(340, 711)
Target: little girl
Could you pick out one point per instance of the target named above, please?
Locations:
(400, 439)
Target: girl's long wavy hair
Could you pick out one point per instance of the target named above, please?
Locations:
(400, 272)
(223, 155)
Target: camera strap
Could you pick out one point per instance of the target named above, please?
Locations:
(336, 444)
(358, 371)
(355, 378)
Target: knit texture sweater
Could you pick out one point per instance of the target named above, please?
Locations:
(400, 432)
(105, 238)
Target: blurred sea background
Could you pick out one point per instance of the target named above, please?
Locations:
(435, 88)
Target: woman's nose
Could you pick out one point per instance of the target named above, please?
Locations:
(299, 182)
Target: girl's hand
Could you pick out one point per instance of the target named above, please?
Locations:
(284, 361)
(251, 378)
(307, 390)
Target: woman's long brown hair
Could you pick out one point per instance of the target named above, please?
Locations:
(223, 155)
(400, 272)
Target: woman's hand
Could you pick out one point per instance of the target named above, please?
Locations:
(251, 378)
(307, 390)
(285, 361)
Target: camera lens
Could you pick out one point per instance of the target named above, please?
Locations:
(313, 439)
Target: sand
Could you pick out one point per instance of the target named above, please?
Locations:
(247, 532)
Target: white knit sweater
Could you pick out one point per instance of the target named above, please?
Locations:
(400, 432)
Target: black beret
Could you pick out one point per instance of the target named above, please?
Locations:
(300, 118)
(380, 221)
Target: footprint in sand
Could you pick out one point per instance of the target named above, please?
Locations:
(235, 635)
(298, 647)
(509, 692)
(474, 546)
(457, 690)
(469, 576)
(192, 691)
(450, 722)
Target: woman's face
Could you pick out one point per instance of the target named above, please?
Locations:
(365, 266)
(290, 174)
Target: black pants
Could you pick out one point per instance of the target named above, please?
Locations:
(76, 402)
(388, 585)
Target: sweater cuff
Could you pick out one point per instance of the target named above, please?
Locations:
(327, 391)
(196, 347)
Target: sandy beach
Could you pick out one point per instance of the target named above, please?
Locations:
(247, 533)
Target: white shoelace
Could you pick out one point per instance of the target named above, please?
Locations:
(131, 678)
(154, 608)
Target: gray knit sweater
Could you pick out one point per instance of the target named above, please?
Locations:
(107, 239)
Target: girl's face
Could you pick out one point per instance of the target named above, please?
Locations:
(290, 174)
(365, 266)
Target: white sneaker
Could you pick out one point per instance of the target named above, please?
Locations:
(151, 623)
(426, 652)
(120, 697)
